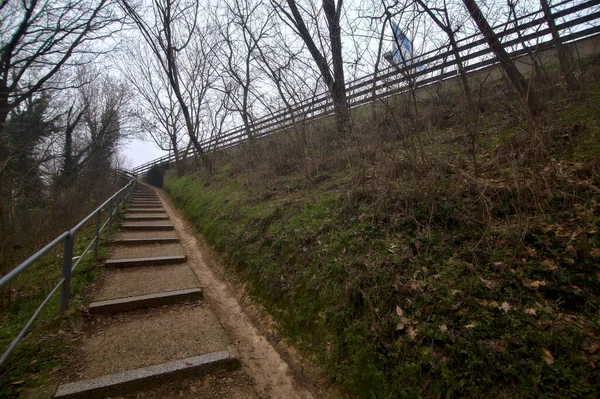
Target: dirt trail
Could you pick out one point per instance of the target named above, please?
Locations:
(260, 360)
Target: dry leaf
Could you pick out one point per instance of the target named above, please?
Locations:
(592, 348)
(456, 292)
(472, 325)
(536, 284)
(399, 311)
(412, 332)
(400, 326)
(530, 311)
(547, 357)
(505, 306)
(443, 328)
(490, 284)
(550, 265)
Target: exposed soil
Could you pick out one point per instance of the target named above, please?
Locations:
(126, 282)
(273, 376)
(126, 341)
(223, 385)
(145, 251)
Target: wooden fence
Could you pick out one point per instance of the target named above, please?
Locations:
(582, 20)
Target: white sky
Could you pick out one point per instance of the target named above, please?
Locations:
(137, 152)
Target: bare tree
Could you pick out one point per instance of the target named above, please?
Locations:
(39, 38)
(333, 77)
(183, 51)
(246, 25)
(159, 112)
(564, 57)
(507, 64)
(440, 16)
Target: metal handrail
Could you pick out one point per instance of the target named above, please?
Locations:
(113, 205)
(319, 106)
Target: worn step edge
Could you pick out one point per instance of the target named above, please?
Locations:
(132, 380)
(134, 205)
(141, 241)
(145, 218)
(154, 261)
(146, 210)
(144, 301)
(148, 227)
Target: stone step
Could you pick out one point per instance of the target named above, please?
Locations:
(145, 241)
(145, 210)
(144, 301)
(146, 217)
(147, 227)
(153, 261)
(130, 381)
(139, 206)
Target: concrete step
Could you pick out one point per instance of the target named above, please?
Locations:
(147, 227)
(153, 261)
(145, 241)
(124, 282)
(133, 380)
(144, 301)
(139, 206)
(142, 218)
(145, 210)
(133, 252)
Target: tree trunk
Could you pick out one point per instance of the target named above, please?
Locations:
(564, 58)
(507, 64)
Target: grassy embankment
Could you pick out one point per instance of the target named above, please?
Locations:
(52, 338)
(414, 273)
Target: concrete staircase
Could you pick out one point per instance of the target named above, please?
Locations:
(147, 321)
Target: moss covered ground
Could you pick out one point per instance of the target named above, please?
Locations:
(437, 279)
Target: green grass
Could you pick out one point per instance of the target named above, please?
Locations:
(403, 288)
(49, 344)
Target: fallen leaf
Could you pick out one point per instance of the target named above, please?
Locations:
(399, 311)
(506, 306)
(530, 311)
(400, 326)
(443, 328)
(536, 284)
(490, 284)
(456, 292)
(499, 266)
(591, 349)
(550, 265)
(17, 382)
(547, 357)
(437, 276)
(412, 332)
(472, 325)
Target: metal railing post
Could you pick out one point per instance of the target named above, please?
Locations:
(97, 243)
(110, 213)
(66, 272)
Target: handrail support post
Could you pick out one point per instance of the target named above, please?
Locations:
(110, 214)
(66, 272)
(97, 243)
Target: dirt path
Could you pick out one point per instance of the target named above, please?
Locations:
(273, 377)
